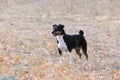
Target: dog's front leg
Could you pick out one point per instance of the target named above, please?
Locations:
(60, 55)
(70, 57)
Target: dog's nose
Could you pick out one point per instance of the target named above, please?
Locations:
(52, 32)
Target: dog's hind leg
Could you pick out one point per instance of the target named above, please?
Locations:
(77, 50)
(84, 49)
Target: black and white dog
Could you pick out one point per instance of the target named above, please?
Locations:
(68, 42)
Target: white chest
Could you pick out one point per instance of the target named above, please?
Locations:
(61, 45)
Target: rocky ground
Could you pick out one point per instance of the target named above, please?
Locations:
(28, 50)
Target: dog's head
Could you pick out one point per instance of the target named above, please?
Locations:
(58, 30)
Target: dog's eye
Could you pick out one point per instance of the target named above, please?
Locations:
(57, 29)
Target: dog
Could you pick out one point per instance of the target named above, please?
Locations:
(68, 42)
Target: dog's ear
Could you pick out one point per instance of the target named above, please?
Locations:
(54, 26)
(60, 25)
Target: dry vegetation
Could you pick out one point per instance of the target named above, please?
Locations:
(28, 49)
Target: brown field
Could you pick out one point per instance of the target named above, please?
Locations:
(28, 50)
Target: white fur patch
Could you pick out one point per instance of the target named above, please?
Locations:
(61, 45)
(84, 35)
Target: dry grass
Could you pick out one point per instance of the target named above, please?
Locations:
(28, 49)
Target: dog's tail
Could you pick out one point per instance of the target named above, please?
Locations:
(81, 33)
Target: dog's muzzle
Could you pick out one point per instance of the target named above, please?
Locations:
(53, 33)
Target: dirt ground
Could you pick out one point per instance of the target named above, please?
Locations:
(28, 50)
